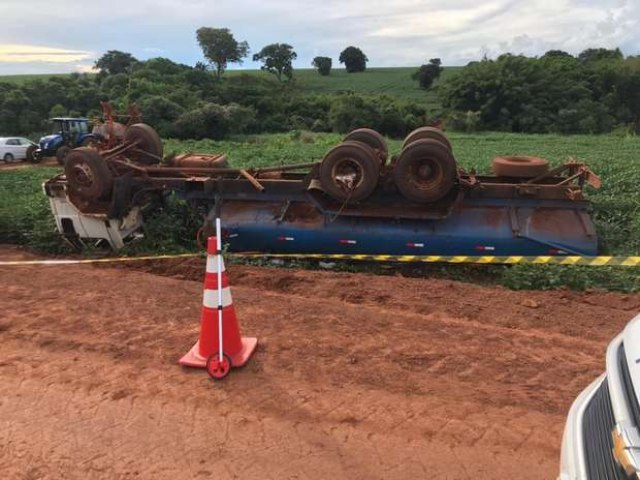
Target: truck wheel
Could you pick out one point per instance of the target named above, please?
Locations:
(62, 153)
(372, 138)
(30, 154)
(148, 150)
(425, 171)
(350, 171)
(519, 166)
(88, 174)
(427, 133)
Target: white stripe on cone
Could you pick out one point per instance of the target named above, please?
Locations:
(212, 264)
(210, 299)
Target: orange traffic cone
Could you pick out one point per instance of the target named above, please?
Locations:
(206, 352)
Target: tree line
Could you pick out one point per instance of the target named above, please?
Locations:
(185, 101)
(596, 91)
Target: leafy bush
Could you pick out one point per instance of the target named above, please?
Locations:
(161, 113)
(170, 229)
(213, 121)
(388, 116)
(554, 93)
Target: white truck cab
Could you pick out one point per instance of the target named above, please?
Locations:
(601, 439)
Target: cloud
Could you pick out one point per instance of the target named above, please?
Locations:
(398, 33)
(14, 53)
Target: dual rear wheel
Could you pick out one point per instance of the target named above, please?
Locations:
(424, 172)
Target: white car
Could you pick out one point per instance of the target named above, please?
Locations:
(601, 438)
(16, 148)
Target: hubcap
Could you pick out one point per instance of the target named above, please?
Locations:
(425, 172)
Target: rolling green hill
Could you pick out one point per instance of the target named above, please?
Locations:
(395, 82)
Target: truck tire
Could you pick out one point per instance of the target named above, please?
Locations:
(425, 171)
(62, 153)
(7, 158)
(519, 166)
(350, 171)
(372, 138)
(426, 133)
(148, 150)
(88, 174)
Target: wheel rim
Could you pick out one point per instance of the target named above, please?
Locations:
(424, 173)
(83, 175)
(347, 172)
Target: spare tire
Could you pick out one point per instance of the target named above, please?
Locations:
(88, 174)
(424, 133)
(372, 138)
(148, 150)
(425, 171)
(519, 166)
(350, 171)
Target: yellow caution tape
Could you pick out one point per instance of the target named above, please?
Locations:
(95, 260)
(630, 261)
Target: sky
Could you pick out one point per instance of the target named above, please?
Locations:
(39, 36)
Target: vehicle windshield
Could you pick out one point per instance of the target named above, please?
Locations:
(57, 126)
(73, 127)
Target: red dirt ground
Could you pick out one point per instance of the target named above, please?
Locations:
(18, 165)
(356, 376)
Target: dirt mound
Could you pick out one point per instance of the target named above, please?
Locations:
(356, 376)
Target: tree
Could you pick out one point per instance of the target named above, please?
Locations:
(221, 48)
(323, 65)
(114, 62)
(556, 54)
(354, 59)
(428, 73)
(595, 54)
(276, 58)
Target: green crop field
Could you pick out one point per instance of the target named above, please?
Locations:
(25, 217)
(395, 82)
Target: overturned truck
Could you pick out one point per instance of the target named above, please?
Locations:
(356, 200)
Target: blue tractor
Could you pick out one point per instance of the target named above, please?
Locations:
(68, 133)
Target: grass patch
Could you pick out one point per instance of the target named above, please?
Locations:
(25, 217)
